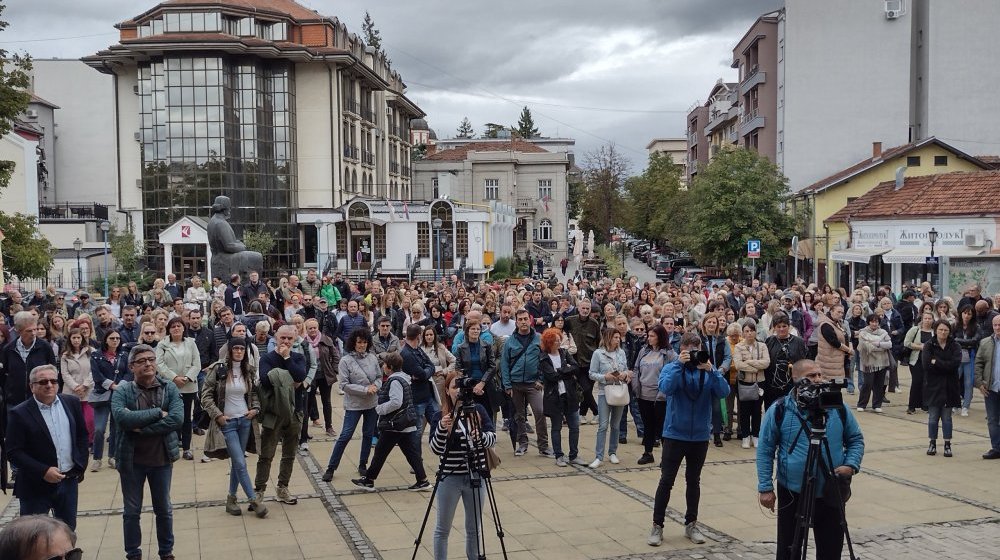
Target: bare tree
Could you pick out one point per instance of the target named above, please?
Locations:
(604, 173)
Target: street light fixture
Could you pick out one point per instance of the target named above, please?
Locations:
(437, 223)
(319, 254)
(106, 227)
(932, 236)
(78, 246)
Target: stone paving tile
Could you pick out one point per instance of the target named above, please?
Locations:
(905, 503)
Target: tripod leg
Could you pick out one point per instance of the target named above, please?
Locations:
(807, 503)
(427, 515)
(838, 499)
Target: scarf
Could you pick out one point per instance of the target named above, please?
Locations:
(314, 343)
(873, 357)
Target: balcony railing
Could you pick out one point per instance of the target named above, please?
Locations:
(753, 79)
(367, 158)
(527, 204)
(406, 171)
(368, 115)
(75, 211)
(394, 168)
(352, 106)
(394, 131)
(351, 152)
(750, 121)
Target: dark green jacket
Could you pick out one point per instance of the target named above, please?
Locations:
(126, 414)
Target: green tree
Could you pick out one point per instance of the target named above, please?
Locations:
(602, 202)
(14, 97)
(492, 130)
(258, 240)
(26, 254)
(574, 191)
(526, 125)
(125, 249)
(739, 196)
(465, 129)
(652, 200)
(373, 37)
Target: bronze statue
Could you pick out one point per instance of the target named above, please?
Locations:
(229, 255)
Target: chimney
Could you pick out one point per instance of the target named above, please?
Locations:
(876, 150)
(431, 149)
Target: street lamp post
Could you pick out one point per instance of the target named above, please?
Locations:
(106, 227)
(932, 236)
(319, 247)
(437, 223)
(78, 246)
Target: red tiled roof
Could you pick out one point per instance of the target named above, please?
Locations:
(966, 193)
(992, 161)
(887, 155)
(462, 152)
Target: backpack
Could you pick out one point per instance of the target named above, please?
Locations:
(779, 416)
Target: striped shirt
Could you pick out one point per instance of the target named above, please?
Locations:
(453, 457)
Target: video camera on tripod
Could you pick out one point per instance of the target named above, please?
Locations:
(817, 397)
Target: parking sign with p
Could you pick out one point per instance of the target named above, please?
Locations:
(753, 249)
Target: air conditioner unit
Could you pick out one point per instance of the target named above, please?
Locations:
(891, 14)
(975, 238)
(31, 114)
(137, 136)
(894, 9)
(135, 89)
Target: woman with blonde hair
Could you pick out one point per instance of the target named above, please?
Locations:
(608, 364)
(160, 318)
(178, 360)
(750, 358)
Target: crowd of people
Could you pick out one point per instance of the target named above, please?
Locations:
(249, 363)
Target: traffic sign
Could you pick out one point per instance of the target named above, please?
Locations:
(931, 261)
(753, 249)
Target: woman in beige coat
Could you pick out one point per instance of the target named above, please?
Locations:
(178, 360)
(751, 359)
(230, 398)
(77, 379)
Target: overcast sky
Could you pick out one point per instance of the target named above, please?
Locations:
(597, 71)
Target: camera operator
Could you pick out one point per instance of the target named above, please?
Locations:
(456, 479)
(789, 444)
(691, 384)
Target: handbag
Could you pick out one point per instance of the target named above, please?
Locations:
(747, 391)
(492, 458)
(616, 394)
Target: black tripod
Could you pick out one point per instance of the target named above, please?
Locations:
(465, 413)
(816, 466)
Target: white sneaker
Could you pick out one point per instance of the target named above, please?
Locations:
(595, 464)
(745, 444)
(693, 534)
(965, 412)
(877, 410)
(303, 449)
(95, 465)
(655, 536)
(614, 459)
(861, 409)
(754, 440)
(206, 459)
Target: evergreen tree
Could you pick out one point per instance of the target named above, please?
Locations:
(526, 125)
(373, 37)
(465, 129)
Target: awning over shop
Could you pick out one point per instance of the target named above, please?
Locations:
(859, 255)
(918, 255)
(807, 249)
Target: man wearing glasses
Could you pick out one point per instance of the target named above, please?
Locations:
(48, 442)
(39, 537)
(149, 412)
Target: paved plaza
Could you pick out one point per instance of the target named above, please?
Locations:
(904, 503)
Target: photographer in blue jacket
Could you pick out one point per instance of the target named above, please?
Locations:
(787, 442)
(691, 384)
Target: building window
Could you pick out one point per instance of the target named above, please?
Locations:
(544, 231)
(434, 183)
(462, 239)
(913, 161)
(340, 230)
(940, 160)
(492, 189)
(423, 240)
(545, 189)
(379, 242)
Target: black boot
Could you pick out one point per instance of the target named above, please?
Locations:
(947, 448)
(718, 440)
(727, 434)
(932, 448)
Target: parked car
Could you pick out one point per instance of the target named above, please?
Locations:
(669, 270)
(687, 274)
(711, 283)
(639, 249)
(662, 267)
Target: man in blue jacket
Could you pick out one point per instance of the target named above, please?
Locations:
(789, 444)
(691, 386)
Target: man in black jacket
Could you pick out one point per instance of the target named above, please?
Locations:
(541, 316)
(418, 366)
(205, 341)
(907, 311)
(234, 296)
(19, 357)
(784, 349)
(130, 329)
(48, 444)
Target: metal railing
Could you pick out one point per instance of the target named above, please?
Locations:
(351, 152)
(352, 106)
(394, 168)
(72, 211)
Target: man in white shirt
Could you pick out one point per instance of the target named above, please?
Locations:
(505, 326)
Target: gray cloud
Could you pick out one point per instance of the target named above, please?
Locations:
(648, 55)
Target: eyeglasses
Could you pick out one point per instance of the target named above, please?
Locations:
(148, 332)
(143, 361)
(114, 338)
(75, 554)
(47, 382)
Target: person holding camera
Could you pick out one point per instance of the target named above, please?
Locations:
(784, 437)
(691, 385)
(452, 438)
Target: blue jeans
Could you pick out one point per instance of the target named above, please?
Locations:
(102, 412)
(133, 480)
(237, 434)
(450, 489)
(993, 418)
(633, 408)
(968, 372)
(425, 411)
(573, 419)
(351, 419)
(942, 413)
(61, 499)
(607, 414)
